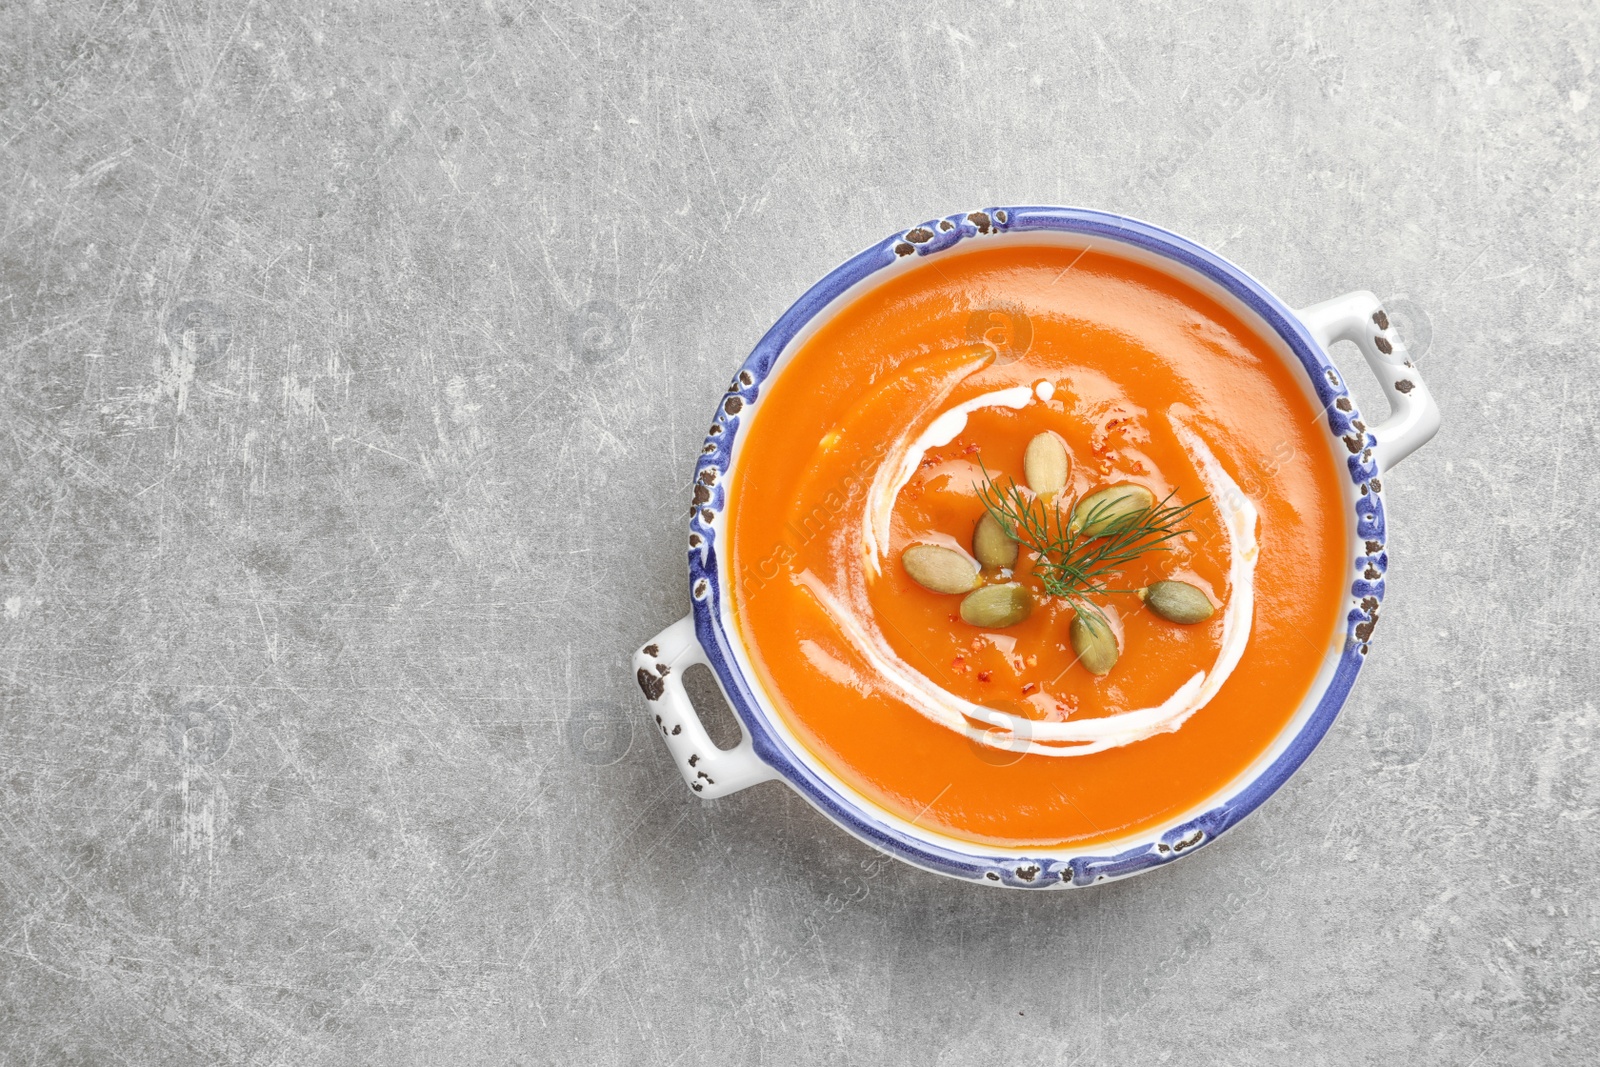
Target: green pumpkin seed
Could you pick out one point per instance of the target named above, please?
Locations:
(941, 569)
(991, 544)
(995, 606)
(1178, 602)
(1045, 464)
(1112, 509)
(1094, 643)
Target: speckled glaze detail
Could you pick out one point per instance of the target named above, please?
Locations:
(1367, 451)
(1360, 318)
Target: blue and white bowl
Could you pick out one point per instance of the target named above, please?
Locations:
(769, 749)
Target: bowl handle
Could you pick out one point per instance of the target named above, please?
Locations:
(709, 770)
(1413, 416)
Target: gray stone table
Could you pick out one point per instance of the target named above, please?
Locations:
(355, 358)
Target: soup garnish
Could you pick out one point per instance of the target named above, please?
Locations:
(1073, 557)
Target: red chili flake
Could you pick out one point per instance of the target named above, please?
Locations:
(983, 676)
(970, 450)
(958, 661)
(1030, 687)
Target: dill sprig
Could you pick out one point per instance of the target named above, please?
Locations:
(1071, 564)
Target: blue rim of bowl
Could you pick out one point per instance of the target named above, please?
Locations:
(976, 861)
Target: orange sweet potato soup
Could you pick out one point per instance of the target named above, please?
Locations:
(954, 693)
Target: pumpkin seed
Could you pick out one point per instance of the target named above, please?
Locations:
(1094, 643)
(1045, 464)
(991, 544)
(1178, 602)
(1112, 509)
(941, 569)
(995, 606)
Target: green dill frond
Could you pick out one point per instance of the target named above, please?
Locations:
(1069, 563)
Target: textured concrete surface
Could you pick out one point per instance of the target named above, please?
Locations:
(355, 357)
